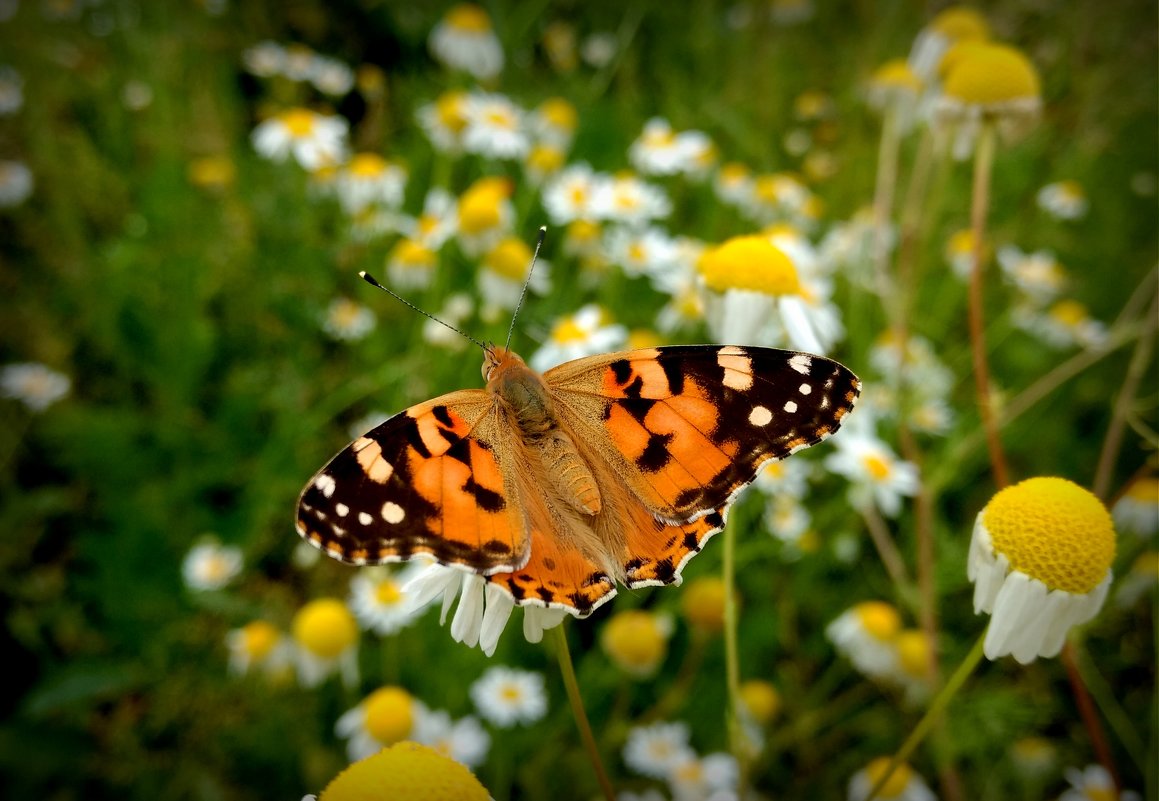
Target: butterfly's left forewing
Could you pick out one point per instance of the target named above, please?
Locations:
(430, 480)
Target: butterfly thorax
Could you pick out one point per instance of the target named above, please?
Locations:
(528, 404)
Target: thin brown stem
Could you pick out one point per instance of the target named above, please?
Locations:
(883, 542)
(983, 163)
(1089, 715)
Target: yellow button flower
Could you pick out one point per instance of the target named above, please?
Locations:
(406, 770)
(637, 641)
(761, 699)
(992, 74)
(752, 263)
(1040, 559)
(703, 604)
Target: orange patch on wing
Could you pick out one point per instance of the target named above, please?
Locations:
(656, 554)
(556, 575)
(691, 450)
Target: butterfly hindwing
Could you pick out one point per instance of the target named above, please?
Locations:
(428, 480)
(689, 426)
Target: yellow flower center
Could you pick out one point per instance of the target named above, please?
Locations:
(468, 18)
(480, 207)
(408, 253)
(582, 231)
(510, 259)
(1052, 530)
(212, 172)
(956, 54)
(761, 699)
(345, 313)
(559, 113)
(367, 165)
(325, 627)
(545, 158)
(299, 122)
(567, 331)
(877, 466)
(215, 567)
(810, 104)
(898, 780)
(387, 592)
(961, 242)
(749, 262)
(775, 470)
(501, 117)
(406, 770)
(259, 639)
(1070, 313)
(635, 640)
(880, 620)
(733, 173)
(913, 652)
(510, 692)
(450, 108)
(659, 137)
(703, 603)
(961, 22)
(896, 74)
(1070, 190)
(389, 714)
(992, 74)
(1100, 793)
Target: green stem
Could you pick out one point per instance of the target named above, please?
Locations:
(933, 713)
(581, 717)
(736, 736)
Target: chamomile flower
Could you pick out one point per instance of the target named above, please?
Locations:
(213, 173)
(903, 784)
(761, 700)
(444, 120)
(405, 770)
(640, 250)
(385, 717)
(918, 364)
(960, 252)
(1140, 579)
(952, 25)
(464, 40)
(749, 279)
(502, 275)
(785, 477)
(1137, 511)
(848, 247)
(912, 671)
(485, 215)
(1034, 757)
(659, 150)
(990, 83)
(410, 265)
(599, 49)
(437, 223)
(259, 645)
(16, 183)
(656, 749)
(702, 604)
(331, 77)
(569, 195)
(541, 162)
(866, 634)
(266, 59)
(894, 89)
(210, 565)
(734, 183)
(787, 519)
(378, 601)
(506, 696)
(587, 332)
(35, 385)
(495, 127)
(636, 640)
(877, 476)
(457, 308)
(1064, 324)
(1040, 559)
(368, 179)
(625, 198)
(778, 196)
(326, 639)
(484, 607)
(554, 122)
(1093, 783)
(348, 320)
(1038, 275)
(463, 740)
(696, 778)
(313, 140)
(1064, 200)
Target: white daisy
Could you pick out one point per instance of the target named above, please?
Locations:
(437, 223)
(348, 320)
(265, 59)
(787, 519)
(1093, 784)
(866, 635)
(599, 49)
(495, 127)
(656, 749)
(954, 24)
(457, 307)
(259, 645)
(211, 566)
(314, 140)
(734, 184)
(1065, 324)
(876, 473)
(444, 120)
(640, 251)
(16, 183)
(903, 784)
(627, 199)
(661, 151)
(506, 696)
(710, 778)
(1038, 274)
(411, 265)
(1040, 559)
(1137, 510)
(331, 77)
(587, 332)
(1064, 200)
(486, 215)
(502, 275)
(370, 180)
(326, 642)
(464, 40)
(569, 195)
(464, 740)
(378, 601)
(785, 477)
(35, 385)
(554, 122)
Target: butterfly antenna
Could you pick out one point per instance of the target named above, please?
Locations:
(370, 280)
(523, 292)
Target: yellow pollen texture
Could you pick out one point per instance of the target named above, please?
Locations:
(299, 122)
(752, 263)
(387, 592)
(406, 770)
(1053, 530)
(992, 74)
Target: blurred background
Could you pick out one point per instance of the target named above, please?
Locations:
(188, 190)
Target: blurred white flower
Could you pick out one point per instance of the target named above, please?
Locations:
(35, 385)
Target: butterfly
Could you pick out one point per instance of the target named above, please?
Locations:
(608, 469)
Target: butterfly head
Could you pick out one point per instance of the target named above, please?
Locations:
(497, 361)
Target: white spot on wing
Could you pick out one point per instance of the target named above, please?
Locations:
(392, 512)
(738, 381)
(790, 406)
(805, 389)
(364, 518)
(760, 416)
(326, 484)
(801, 363)
(342, 509)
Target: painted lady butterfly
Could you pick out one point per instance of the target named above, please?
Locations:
(613, 468)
